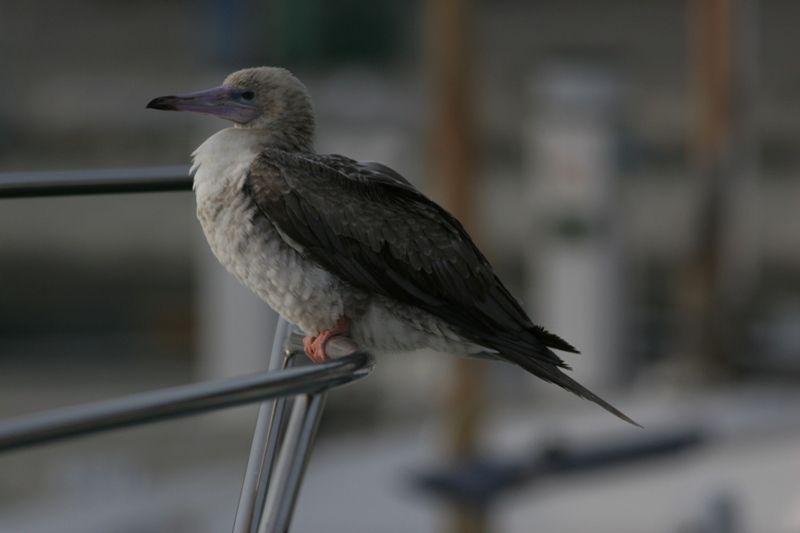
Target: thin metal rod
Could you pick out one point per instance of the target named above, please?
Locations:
(280, 473)
(294, 456)
(275, 436)
(250, 484)
(271, 438)
(179, 401)
(288, 497)
(258, 449)
(96, 181)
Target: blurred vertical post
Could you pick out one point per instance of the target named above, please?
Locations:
(720, 274)
(449, 55)
(573, 167)
(740, 247)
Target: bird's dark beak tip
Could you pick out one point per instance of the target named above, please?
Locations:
(164, 103)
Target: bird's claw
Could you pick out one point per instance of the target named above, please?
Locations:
(315, 346)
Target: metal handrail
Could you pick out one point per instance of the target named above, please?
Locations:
(178, 401)
(95, 181)
(279, 451)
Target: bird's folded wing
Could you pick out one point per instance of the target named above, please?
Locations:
(369, 226)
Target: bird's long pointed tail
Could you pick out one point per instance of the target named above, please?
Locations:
(553, 374)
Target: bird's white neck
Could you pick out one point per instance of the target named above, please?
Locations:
(224, 158)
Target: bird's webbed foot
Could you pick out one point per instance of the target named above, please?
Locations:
(315, 346)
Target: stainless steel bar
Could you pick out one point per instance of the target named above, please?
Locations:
(287, 498)
(258, 458)
(179, 401)
(276, 433)
(250, 484)
(280, 474)
(95, 181)
(275, 436)
(337, 347)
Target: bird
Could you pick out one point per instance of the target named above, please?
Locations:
(341, 247)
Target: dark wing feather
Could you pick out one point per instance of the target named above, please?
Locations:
(371, 227)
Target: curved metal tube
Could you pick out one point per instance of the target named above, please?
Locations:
(179, 401)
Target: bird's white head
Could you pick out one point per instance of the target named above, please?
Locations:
(265, 98)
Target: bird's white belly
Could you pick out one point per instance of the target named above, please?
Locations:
(389, 326)
(251, 249)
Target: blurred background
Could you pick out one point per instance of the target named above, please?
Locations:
(630, 168)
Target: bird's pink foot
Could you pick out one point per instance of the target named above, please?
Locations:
(315, 346)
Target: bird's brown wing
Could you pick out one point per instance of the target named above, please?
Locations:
(368, 225)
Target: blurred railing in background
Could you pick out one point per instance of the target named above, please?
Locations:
(99, 181)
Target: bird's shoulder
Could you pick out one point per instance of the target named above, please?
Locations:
(282, 169)
(367, 201)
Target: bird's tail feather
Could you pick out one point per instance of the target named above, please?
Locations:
(553, 374)
(552, 340)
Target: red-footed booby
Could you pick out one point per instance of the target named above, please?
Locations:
(342, 247)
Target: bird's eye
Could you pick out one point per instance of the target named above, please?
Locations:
(248, 95)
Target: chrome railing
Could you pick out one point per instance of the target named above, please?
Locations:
(292, 397)
(95, 181)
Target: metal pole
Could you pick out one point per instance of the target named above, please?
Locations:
(259, 463)
(276, 436)
(449, 27)
(277, 414)
(289, 444)
(179, 401)
(720, 274)
(278, 455)
(97, 181)
(285, 509)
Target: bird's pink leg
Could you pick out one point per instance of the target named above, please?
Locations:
(315, 346)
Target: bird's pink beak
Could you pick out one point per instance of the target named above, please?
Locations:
(229, 103)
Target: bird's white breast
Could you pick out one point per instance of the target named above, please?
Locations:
(249, 246)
